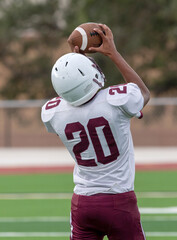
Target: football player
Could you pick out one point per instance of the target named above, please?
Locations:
(94, 125)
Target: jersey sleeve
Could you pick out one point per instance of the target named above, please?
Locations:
(47, 113)
(128, 97)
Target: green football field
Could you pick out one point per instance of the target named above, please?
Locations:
(38, 206)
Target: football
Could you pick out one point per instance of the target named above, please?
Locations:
(85, 37)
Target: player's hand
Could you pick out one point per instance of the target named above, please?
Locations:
(77, 50)
(108, 46)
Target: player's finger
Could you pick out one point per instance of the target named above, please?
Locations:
(97, 49)
(106, 30)
(100, 32)
(76, 49)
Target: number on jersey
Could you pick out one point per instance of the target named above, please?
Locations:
(84, 143)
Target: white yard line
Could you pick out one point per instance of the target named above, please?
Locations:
(161, 210)
(34, 234)
(23, 196)
(156, 194)
(67, 219)
(161, 234)
(35, 219)
(67, 234)
(159, 218)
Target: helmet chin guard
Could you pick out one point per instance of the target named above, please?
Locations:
(76, 78)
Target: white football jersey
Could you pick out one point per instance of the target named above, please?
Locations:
(97, 135)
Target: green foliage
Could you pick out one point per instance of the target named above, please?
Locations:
(145, 33)
(142, 29)
(29, 32)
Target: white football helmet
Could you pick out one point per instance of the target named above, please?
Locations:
(76, 78)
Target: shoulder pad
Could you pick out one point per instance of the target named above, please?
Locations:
(49, 109)
(117, 95)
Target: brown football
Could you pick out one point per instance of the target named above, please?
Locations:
(85, 37)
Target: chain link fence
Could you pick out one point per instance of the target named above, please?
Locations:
(21, 125)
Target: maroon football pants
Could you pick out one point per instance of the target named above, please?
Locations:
(114, 215)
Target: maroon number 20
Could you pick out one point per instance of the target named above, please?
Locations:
(84, 141)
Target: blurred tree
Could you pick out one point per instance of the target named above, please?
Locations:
(145, 34)
(31, 32)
